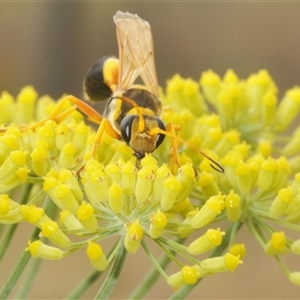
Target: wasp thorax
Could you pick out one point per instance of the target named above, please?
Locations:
(142, 141)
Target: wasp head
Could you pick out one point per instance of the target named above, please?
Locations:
(142, 142)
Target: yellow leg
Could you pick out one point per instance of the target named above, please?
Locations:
(171, 128)
(104, 126)
(171, 132)
(58, 116)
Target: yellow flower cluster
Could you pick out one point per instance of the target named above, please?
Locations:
(111, 194)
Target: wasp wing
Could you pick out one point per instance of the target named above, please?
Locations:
(135, 52)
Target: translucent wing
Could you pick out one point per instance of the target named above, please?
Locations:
(135, 52)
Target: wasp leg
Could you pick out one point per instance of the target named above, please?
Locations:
(171, 132)
(172, 128)
(56, 114)
(103, 127)
(91, 113)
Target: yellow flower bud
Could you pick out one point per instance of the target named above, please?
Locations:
(64, 199)
(162, 173)
(294, 277)
(66, 157)
(80, 136)
(288, 108)
(266, 174)
(211, 85)
(206, 242)
(243, 178)
(187, 275)
(186, 179)
(233, 206)
(26, 101)
(10, 212)
(212, 208)
(227, 262)
(295, 247)
(39, 160)
(95, 183)
(281, 202)
(269, 102)
(128, 178)
(133, 237)
(96, 256)
(34, 215)
(208, 184)
(158, 221)
(276, 245)
(169, 193)
(51, 231)
(70, 221)
(115, 198)
(238, 250)
(41, 250)
(144, 183)
(70, 179)
(86, 216)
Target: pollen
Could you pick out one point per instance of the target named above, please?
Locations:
(158, 221)
(133, 236)
(277, 244)
(190, 274)
(233, 206)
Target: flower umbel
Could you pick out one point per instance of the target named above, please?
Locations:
(110, 194)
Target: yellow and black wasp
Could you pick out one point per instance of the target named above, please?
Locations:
(132, 112)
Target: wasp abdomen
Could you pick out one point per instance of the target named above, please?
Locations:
(100, 81)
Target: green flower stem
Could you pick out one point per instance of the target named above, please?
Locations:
(184, 291)
(6, 239)
(145, 286)
(154, 261)
(283, 266)
(29, 279)
(19, 267)
(84, 285)
(87, 282)
(114, 273)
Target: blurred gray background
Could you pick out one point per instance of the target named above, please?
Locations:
(52, 45)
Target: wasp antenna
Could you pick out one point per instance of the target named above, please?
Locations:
(217, 167)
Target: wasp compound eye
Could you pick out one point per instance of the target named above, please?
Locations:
(160, 137)
(126, 126)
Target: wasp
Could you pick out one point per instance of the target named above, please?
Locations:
(133, 111)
